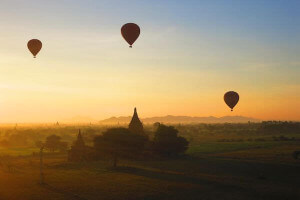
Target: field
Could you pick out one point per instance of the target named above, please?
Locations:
(213, 168)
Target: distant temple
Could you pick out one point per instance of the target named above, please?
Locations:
(78, 151)
(135, 125)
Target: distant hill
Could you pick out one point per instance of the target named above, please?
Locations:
(182, 119)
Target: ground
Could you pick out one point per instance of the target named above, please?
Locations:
(257, 170)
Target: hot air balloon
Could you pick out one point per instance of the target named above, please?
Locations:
(231, 98)
(34, 46)
(130, 33)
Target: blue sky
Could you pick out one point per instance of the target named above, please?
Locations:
(198, 49)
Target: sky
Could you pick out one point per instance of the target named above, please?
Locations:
(188, 55)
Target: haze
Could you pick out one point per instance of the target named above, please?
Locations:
(187, 56)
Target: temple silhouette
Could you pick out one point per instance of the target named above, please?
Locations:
(78, 151)
(135, 125)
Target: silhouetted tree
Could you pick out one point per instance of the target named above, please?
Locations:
(156, 125)
(119, 142)
(166, 141)
(53, 143)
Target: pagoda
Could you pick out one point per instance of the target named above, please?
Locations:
(135, 125)
(78, 149)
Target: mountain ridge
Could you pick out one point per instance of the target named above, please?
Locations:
(181, 119)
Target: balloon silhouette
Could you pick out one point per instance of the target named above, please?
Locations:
(231, 98)
(34, 46)
(130, 33)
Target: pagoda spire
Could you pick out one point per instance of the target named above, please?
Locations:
(135, 113)
(136, 125)
(78, 149)
(79, 141)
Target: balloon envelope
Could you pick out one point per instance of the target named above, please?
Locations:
(130, 32)
(34, 46)
(231, 98)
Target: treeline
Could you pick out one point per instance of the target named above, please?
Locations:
(279, 127)
(194, 133)
(274, 138)
(265, 127)
(117, 143)
(30, 136)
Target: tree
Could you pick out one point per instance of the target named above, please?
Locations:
(53, 143)
(156, 125)
(166, 141)
(119, 142)
(63, 147)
